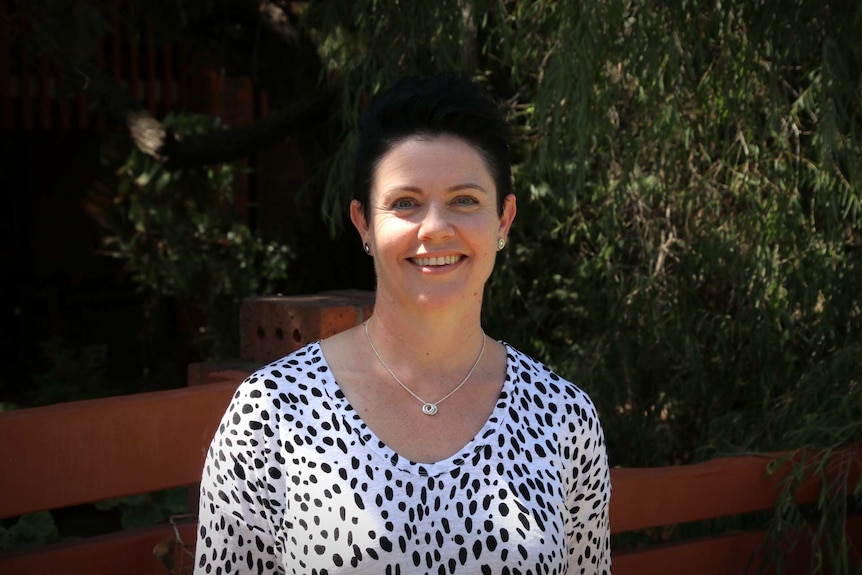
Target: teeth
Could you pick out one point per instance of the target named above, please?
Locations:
(441, 261)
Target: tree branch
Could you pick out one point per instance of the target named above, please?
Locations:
(154, 140)
(242, 141)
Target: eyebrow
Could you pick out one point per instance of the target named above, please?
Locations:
(455, 188)
(468, 186)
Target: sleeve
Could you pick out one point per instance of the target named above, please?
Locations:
(588, 498)
(238, 518)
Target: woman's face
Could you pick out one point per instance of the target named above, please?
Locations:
(433, 223)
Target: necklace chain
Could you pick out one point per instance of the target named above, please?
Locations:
(428, 408)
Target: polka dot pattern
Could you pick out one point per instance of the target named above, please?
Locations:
(295, 482)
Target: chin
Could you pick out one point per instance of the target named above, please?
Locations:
(444, 299)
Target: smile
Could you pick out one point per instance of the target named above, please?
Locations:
(439, 261)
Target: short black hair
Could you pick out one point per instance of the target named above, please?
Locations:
(450, 104)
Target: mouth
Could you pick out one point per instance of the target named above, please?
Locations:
(437, 261)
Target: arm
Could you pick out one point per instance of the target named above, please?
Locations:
(588, 498)
(237, 519)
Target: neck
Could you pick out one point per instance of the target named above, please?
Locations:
(426, 352)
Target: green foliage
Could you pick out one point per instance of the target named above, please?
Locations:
(180, 234)
(148, 509)
(33, 530)
(68, 374)
(822, 411)
(136, 511)
(819, 526)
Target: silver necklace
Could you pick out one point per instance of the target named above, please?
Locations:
(428, 408)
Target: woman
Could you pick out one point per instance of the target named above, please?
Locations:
(413, 443)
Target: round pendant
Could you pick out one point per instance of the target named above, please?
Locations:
(429, 409)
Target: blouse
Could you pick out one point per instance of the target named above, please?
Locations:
(295, 482)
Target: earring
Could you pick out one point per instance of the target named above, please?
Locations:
(501, 243)
(367, 248)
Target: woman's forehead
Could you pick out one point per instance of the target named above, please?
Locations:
(433, 159)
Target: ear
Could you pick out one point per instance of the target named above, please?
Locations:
(357, 216)
(510, 208)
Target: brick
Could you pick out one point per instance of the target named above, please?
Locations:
(272, 327)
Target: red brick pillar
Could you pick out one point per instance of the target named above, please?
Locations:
(272, 327)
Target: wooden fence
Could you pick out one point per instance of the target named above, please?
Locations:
(87, 451)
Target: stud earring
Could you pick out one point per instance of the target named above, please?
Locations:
(367, 248)
(501, 243)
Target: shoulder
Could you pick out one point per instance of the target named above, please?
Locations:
(247, 458)
(535, 373)
(293, 371)
(276, 389)
(569, 411)
(535, 380)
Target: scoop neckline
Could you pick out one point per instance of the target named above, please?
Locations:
(357, 426)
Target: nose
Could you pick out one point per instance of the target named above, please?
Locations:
(435, 223)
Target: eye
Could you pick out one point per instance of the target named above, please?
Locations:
(404, 204)
(465, 201)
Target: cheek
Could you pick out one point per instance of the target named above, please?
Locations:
(390, 231)
(486, 243)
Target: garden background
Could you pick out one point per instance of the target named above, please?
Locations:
(688, 247)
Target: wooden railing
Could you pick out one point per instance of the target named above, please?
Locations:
(85, 451)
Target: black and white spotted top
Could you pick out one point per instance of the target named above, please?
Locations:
(295, 482)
